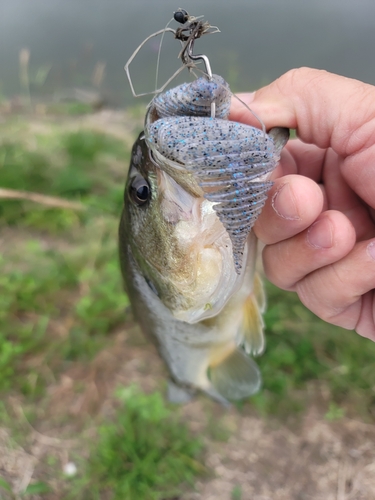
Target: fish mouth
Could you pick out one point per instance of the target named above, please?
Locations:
(204, 276)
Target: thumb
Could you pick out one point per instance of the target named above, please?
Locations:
(326, 109)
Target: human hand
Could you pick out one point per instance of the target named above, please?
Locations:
(319, 220)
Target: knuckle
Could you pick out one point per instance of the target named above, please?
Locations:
(299, 76)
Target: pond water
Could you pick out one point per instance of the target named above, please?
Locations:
(85, 43)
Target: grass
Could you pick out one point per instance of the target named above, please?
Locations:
(301, 350)
(143, 453)
(64, 266)
(62, 304)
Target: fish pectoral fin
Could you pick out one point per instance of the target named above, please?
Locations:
(260, 296)
(236, 377)
(250, 334)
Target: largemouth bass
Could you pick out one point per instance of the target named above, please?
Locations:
(195, 187)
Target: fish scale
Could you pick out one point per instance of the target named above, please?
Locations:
(230, 160)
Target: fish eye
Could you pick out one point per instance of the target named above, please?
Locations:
(139, 191)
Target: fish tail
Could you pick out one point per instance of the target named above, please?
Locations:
(237, 376)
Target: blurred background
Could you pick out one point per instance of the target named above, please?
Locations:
(72, 43)
(83, 412)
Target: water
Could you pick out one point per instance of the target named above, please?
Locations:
(259, 40)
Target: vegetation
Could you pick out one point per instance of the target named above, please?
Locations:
(302, 351)
(58, 265)
(143, 454)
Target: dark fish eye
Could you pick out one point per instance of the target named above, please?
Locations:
(139, 191)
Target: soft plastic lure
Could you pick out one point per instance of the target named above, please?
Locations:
(188, 125)
(231, 161)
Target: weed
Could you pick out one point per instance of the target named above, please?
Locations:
(144, 453)
(236, 493)
(6, 488)
(34, 488)
(334, 412)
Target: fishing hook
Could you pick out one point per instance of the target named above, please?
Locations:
(192, 29)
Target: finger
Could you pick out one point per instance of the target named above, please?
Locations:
(308, 159)
(329, 239)
(365, 325)
(294, 202)
(334, 293)
(327, 110)
(325, 166)
(341, 197)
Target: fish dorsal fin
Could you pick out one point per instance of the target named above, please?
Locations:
(250, 334)
(236, 377)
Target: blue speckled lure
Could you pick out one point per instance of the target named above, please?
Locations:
(230, 160)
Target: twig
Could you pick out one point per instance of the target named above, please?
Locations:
(50, 201)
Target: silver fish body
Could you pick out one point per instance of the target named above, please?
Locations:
(195, 187)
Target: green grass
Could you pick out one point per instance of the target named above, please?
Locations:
(303, 350)
(236, 493)
(69, 108)
(62, 265)
(143, 453)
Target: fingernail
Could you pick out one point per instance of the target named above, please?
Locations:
(371, 249)
(320, 234)
(284, 203)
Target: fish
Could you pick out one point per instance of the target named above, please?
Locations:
(196, 185)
